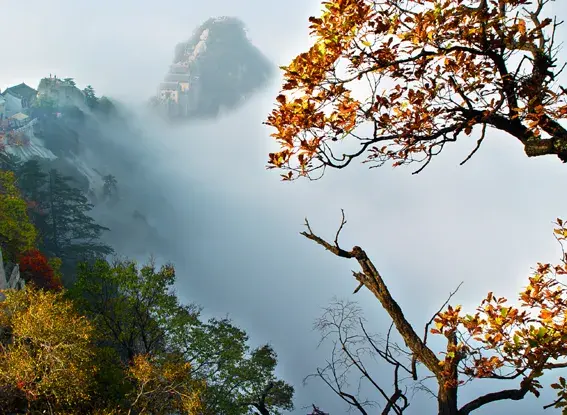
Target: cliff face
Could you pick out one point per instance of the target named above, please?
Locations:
(61, 92)
(216, 70)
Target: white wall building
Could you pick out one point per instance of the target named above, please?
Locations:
(13, 104)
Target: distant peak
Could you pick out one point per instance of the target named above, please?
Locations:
(217, 68)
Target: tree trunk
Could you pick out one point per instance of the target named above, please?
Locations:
(447, 401)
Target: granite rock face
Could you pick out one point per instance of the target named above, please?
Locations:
(15, 280)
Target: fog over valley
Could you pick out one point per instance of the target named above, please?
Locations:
(170, 148)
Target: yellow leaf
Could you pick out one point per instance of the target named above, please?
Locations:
(521, 26)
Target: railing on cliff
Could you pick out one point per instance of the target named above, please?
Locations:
(20, 134)
(26, 127)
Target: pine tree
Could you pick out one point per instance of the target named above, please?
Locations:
(9, 161)
(32, 181)
(90, 97)
(60, 212)
(70, 234)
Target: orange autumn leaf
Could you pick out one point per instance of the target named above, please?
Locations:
(430, 72)
(524, 340)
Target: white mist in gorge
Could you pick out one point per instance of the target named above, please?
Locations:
(208, 205)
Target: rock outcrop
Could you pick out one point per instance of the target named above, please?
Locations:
(216, 70)
(14, 282)
(62, 92)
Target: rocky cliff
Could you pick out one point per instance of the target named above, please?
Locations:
(216, 70)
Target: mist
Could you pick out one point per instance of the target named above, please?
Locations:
(231, 227)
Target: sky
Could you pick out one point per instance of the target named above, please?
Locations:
(132, 40)
(236, 226)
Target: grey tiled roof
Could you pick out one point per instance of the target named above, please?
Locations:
(177, 77)
(168, 85)
(22, 91)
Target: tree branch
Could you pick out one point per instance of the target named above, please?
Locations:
(371, 278)
(512, 394)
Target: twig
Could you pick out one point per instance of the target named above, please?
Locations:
(478, 143)
(414, 358)
(343, 223)
(440, 309)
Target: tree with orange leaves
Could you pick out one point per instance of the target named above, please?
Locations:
(36, 268)
(434, 70)
(500, 341)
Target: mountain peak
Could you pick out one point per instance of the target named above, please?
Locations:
(217, 68)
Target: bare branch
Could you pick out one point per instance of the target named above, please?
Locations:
(343, 320)
(343, 223)
(451, 294)
(372, 279)
(478, 143)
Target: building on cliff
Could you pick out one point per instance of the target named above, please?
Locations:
(26, 94)
(182, 79)
(216, 69)
(177, 95)
(18, 120)
(179, 68)
(17, 99)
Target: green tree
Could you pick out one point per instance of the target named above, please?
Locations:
(70, 81)
(258, 388)
(238, 378)
(8, 161)
(137, 312)
(31, 180)
(132, 305)
(61, 214)
(17, 233)
(74, 234)
(90, 97)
